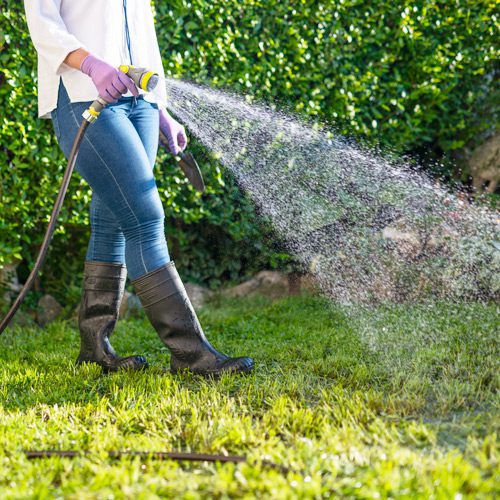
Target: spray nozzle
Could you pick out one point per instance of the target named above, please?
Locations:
(144, 78)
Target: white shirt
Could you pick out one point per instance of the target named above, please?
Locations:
(58, 27)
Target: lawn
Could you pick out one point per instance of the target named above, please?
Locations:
(396, 401)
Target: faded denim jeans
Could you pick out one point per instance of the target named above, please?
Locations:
(116, 158)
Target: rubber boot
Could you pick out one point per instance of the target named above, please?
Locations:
(169, 309)
(103, 287)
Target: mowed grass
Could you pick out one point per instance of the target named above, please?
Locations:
(394, 401)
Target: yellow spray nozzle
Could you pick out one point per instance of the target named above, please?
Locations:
(144, 78)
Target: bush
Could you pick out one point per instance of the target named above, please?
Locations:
(406, 74)
(412, 76)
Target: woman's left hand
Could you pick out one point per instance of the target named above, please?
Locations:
(174, 132)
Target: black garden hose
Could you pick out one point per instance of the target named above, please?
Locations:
(145, 80)
(50, 229)
(156, 455)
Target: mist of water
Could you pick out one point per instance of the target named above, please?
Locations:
(368, 227)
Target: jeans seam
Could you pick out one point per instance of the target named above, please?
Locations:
(92, 214)
(119, 189)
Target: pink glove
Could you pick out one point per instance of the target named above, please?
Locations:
(174, 132)
(110, 82)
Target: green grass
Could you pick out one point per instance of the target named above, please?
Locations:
(395, 401)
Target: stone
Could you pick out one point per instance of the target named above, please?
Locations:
(199, 295)
(309, 284)
(294, 284)
(130, 306)
(48, 310)
(9, 282)
(271, 284)
(401, 236)
(300, 283)
(410, 244)
(484, 164)
(407, 242)
(23, 319)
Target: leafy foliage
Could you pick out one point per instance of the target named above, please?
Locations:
(410, 75)
(406, 74)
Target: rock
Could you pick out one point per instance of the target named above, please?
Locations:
(271, 284)
(199, 295)
(383, 287)
(484, 163)
(299, 283)
(9, 283)
(48, 310)
(130, 306)
(309, 284)
(401, 236)
(274, 285)
(407, 242)
(294, 284)
(23, 319)
(410, 244)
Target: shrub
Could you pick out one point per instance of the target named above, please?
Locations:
(409, 75)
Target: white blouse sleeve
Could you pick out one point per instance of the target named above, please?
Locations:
(49, 34)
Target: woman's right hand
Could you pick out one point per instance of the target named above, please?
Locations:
(110, 82)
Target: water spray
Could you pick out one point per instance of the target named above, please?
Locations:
(146, 80)
(368, 227)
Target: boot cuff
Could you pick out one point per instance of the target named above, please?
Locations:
(104, 276)
(158, 285)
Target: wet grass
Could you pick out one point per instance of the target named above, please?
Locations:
(391, 402)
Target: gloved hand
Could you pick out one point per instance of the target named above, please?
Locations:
(110, 82)
(174, 132)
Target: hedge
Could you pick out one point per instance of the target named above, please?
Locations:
(413, 76)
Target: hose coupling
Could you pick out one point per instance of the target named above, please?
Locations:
(94, 110)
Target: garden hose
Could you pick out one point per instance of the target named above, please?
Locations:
(144, 79)
(51, 227)
(157, 455)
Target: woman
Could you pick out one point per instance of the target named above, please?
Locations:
(80, 44)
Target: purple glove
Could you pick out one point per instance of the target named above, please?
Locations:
(174, 132)
(110, 82)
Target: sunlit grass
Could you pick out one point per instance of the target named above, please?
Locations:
(347, 402)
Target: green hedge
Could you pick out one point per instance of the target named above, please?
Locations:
(407, 74)
(410, 75)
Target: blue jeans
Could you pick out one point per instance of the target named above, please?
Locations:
(116, 158)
